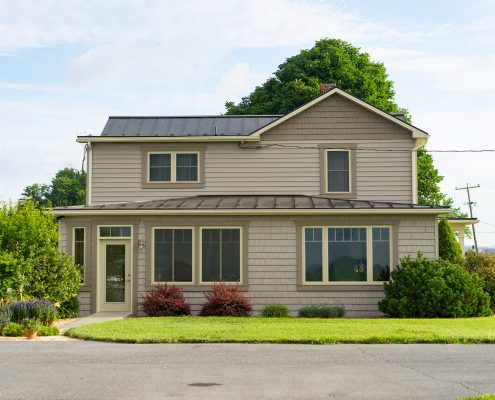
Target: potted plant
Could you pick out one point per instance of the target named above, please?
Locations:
(31, 328)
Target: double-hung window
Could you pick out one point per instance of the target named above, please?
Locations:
(173, 255)
(346, 254)
(173, 166)
(338, 171)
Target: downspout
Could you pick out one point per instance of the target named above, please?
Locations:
(89, 174)
(419, 142)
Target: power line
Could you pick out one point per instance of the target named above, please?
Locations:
(377, 149)
(487, 223)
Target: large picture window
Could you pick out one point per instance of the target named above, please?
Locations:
(173, 167)
(346, 254)
(220, 254)
(338, 171)
(173, 255)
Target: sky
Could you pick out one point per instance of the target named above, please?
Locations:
(66, 65)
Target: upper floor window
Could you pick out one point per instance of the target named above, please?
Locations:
(173, 167)
(338, 171)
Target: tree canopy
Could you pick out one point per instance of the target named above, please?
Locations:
(30, 261)
(297, 81)
(67, 188)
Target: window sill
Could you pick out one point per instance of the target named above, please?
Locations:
(172, 185)
(342, 287)
(195, 287)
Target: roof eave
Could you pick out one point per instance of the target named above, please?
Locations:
(249, 212)
(160, 139)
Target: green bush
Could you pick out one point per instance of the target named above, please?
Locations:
(69, 308)
(275, 311)
(321, 311)
(13, 329)
(424, 288)
(483, 265)
(48, 331)
(449, 248)
(30, 262)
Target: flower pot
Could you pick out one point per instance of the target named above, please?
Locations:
(30, 334)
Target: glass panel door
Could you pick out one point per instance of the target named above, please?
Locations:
(114, 280)
(115, 273)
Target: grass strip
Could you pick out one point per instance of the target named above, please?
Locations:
(289, 330)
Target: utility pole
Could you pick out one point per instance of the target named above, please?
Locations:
(470, 203)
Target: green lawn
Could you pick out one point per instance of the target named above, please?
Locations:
(482, 397)
(289, 330)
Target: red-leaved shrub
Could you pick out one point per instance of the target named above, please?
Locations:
(226, 301)
(165, 301)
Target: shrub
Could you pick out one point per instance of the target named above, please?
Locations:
(483, 265)
(166, 301)
(226, 301)
(13, 329)
(321, 311)
(448, 247)
(30, 261)
(423, 288)
(275, 311)
(69, 308)
(48, 331)
(41, 310)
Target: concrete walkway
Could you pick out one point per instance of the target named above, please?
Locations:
(90, 319)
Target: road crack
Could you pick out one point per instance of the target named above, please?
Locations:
(418, 371)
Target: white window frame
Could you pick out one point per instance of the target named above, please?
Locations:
(193, 247)
(173, 165)
(324, 249)
(114, 226)
(349, 158)
(83, 282)
(241, 254)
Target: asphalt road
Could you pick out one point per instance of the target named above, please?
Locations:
(91, 370)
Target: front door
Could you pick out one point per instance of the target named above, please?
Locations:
(114, 275)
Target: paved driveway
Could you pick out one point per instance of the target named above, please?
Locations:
(91, 370)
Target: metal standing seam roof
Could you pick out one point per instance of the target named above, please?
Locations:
(223, 125)
(250, 202)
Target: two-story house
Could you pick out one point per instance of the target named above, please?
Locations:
(316, 206)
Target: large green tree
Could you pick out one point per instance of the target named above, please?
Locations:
(67, 188)
(298, 79)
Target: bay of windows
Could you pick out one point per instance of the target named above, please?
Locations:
(174, 252)
(347, 254)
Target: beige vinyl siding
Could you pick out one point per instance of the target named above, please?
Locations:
(273, 267)
(380, 175)
(272, 260)
(336, 118)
